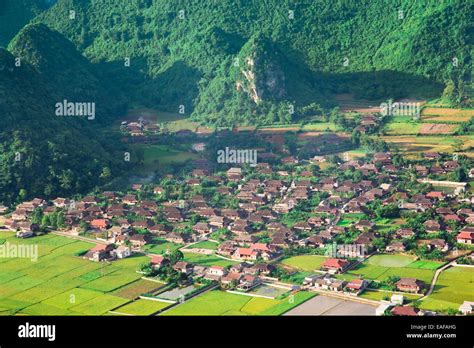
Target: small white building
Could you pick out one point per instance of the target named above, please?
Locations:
(123, 252)
(397, 299)
(467, 307)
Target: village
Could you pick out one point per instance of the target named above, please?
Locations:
(239, 227)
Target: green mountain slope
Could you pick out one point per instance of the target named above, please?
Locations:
(183, 53)
(71, 75)
(14, 14)
(42, 154)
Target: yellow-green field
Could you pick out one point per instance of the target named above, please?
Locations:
(454, 286)
(414, 146)
(217, 302)
(60, 283)
(437, 114)
(142, 307)
(381, 267)
(305, 262)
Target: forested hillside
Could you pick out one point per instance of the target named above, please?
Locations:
(14, 14)
(185, 52)
(225, 62)
(67, 71)
(42, 154)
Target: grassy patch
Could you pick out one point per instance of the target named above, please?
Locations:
(207, 260)
(305, 262)
(160, 246)
(394, 128)
(205, 245)
(390, 260)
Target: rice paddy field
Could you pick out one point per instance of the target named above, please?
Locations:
(439, 114)
(414, 146)
(218, 302)
(394, 128)
(320, 126)
(137, 288)
(205, 245)
(161, 157)
(160, 246)
(305, 262)
(207, 260)
(60, 283)
(142, 307)
(454, 286)
(381, 267)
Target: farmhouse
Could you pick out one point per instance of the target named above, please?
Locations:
(122, 252)
(406, 311)
(100, 252)
(248, 282)
(183, 267)
(356, 286)
(215, 273)
(101, 224)
(335, 265)
(465, 237)
(410, 285)
(139, 240)
(158, 261)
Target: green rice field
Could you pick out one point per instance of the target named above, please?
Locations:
(454, 286)
(218, 302)
(305, 262)
(60, 283)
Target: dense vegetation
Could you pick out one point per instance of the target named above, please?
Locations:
(194, 53)
(14, 14)
(223, 62)
(40, 153)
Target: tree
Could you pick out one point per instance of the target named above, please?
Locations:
(449, 91)
(145, 268)
(457, 144)
(106, 173)
(176, 256)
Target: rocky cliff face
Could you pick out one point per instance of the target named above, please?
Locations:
(260, 72)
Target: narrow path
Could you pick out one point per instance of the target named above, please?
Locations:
(435, 278)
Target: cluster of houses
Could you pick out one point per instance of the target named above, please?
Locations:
(251, 229)
(19, 221)
(326, 279)
(242, 276)
(139, 128)
(261, 203)
(329, 283)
